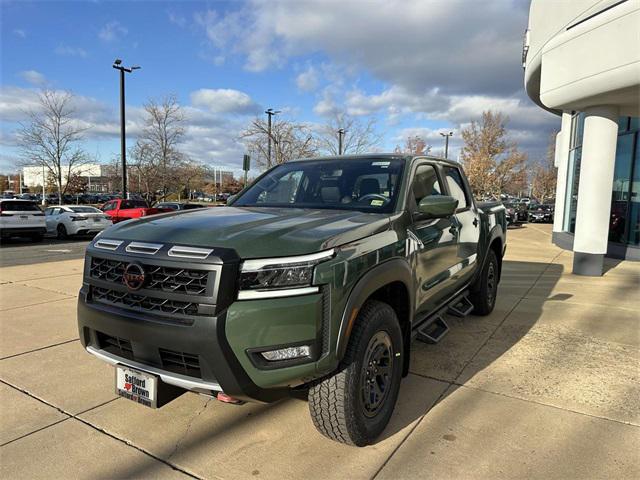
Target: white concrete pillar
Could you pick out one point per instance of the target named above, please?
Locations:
(594, 192)
(562, 163)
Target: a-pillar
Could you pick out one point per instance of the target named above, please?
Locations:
(594, 192)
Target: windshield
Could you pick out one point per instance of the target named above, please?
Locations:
(369, 185)
(84, 210)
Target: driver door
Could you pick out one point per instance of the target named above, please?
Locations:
(432, 241)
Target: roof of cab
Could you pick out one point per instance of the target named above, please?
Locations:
(377, 156)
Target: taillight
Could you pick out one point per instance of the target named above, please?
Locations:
(77, 219)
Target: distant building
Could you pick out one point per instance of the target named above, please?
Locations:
(582, 62)
(94, 173)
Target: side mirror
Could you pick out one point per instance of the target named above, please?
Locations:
(231, 199)
(438, 206)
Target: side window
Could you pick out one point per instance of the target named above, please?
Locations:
(108, 206)
(48, 211)
(57, 211)
(425, 183)
(457, 187)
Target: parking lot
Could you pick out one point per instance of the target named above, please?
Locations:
(547, 386)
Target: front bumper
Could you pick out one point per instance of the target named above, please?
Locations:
(224, 345)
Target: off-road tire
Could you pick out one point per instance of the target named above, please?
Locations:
(337, 404)
(62, 231)
(483, 297)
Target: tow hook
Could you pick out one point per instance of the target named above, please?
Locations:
(223, 397)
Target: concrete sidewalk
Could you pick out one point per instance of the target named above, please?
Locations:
(548, 386)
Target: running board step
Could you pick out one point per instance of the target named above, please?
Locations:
(433, 331)
(462, 308)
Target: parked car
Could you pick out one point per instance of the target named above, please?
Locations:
(67, 220)
(119, 209)
(178, 205)
(516, 213)
(541, 213)
(315, 277)
(21, 218)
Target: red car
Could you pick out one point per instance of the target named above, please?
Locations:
(119, 210)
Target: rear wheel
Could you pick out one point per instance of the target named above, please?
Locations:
(483, 297)
(62, 231)
(354, 405)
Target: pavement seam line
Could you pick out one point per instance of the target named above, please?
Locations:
(35, 431)
(41, 348)
(418, 422)
(101, 430)
(527, 400)
(69, 297)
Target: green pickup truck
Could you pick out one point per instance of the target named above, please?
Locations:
(314, 280)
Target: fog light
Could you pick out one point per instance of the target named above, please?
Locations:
(287, 353)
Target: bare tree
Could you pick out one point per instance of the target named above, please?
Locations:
(545, 173)
(157, 146)
(51, 138)
(492, 162)
(289, 141)
(414, 146)
(359, 136)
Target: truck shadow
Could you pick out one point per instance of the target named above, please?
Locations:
(464, 351)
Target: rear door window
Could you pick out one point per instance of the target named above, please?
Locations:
(457, 187)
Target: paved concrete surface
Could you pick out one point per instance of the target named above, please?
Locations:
(547, 386)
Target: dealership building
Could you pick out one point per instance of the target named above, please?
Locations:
(582, 62)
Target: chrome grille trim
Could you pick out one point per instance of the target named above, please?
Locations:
(189, 252)
(141, 247)
(106, 244)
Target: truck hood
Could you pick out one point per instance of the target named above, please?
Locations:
(254, 232)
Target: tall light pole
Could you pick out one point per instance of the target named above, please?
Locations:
(270, 113)
(340, 138)
(446, 143)
(117, 64)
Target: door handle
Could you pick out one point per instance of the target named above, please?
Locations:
(475, 222)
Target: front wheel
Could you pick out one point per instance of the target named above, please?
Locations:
(483, 297)
(354, 405)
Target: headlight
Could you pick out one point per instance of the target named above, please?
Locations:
(279, 273)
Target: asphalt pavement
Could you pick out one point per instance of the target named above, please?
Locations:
(23, 251)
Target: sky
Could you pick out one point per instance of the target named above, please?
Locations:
(418, 67)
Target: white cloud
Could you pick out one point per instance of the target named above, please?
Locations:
(177, 19)
(66, 50)
(18, 32)
(33, 77)
(112, 31)
(308, 80)
(417, 44)
(224, 100)
(210, 137)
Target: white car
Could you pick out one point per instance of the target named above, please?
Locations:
(65, 220)
(21, 218)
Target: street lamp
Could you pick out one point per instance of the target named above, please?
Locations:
(117, 64)
(340, 137)
(270, 113)
(446, 143)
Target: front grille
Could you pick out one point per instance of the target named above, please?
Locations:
(143, 303)
(180, 362)
(167, 279)
(115, 345)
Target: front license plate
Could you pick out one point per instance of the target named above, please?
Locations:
(138, 386)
